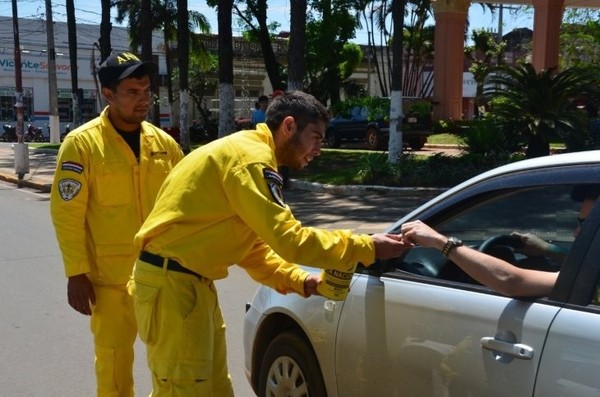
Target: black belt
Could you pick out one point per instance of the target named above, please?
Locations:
(172, 264)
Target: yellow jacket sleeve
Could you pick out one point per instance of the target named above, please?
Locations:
(273, 221)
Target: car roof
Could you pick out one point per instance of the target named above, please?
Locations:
(591, 157)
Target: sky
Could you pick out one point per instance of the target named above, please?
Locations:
(87, 11)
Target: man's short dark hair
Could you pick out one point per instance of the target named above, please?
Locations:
(304, 108)
(584, 192)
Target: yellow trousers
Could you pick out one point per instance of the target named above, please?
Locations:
(114, 328)
(180, 321)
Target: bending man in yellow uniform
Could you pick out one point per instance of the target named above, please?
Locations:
(223, 205)
(108, 175)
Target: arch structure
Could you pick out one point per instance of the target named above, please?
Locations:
(450, 20)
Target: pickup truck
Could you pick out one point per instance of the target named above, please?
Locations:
(356, 127)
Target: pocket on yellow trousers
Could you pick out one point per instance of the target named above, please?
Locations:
(145, 298)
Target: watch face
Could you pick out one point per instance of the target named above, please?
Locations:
(455, 241)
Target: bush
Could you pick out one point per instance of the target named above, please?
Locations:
(375, 168)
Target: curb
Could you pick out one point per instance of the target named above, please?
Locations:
(357, 190)
(42, 187)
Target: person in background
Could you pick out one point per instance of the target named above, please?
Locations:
(222, 206)
(108, 175)
(496, 273)
(258, 116)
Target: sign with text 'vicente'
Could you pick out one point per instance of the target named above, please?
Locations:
(33, 65)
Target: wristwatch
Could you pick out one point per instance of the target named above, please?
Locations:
(452, 243)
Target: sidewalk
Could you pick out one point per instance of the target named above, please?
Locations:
(365, 209)
(41, 167)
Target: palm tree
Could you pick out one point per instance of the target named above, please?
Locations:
(226, 93)
(105, 28)
(183, 48)
(296, 65)
(541, 106)
(395, 136)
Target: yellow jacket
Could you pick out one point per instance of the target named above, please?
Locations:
(101, 195)
(222, 205)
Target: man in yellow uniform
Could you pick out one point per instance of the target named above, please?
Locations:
(108, 175)
(223, 205)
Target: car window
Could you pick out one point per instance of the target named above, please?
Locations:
(546, 211)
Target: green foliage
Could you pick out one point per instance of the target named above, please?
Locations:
(579, 44)
(351, 58)
(421, 108)
(330, 26)
(374, 167)
(541, 106)
(484, 54)
(377, 108)
(336, 166)
(484, 137)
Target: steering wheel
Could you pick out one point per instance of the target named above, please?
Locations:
(503, 245)
(501, 239)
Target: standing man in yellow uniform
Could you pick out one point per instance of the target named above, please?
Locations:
(108, 175)
(223, 205)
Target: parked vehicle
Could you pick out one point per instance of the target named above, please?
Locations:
(419, 326)
(10, 133)
(66, 132)
(358, 125)
(34, 134)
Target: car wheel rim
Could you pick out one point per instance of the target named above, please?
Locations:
(285, 379)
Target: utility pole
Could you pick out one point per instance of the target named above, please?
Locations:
(52, 86)
(21, 149)
(76, 94)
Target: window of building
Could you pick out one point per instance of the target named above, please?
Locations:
(65, 105)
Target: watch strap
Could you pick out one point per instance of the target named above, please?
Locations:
(452, 243)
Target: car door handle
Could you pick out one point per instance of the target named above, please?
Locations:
(517, 350)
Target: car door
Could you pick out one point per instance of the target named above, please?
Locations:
(430, 331)
(570, 362)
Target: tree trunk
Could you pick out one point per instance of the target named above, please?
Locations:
(226, 93)
(296, 65)
(183, 49)
(105, 28)
(395, 138)
(537, 147)
(146, 44)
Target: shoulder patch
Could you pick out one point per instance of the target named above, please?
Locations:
(68, 188)
(71, 166)
(275, 184)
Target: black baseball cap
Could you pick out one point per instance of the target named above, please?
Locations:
(120, 65)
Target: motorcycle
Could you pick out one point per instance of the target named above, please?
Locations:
(10, 133)
(64, 134)
(34, 134)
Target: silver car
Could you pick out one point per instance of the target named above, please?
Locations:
(419, 326)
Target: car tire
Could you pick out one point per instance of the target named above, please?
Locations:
(417, 143)
(289, 367)
(332, 138)
(372, 138)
